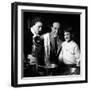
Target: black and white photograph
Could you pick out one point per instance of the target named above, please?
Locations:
(48, 47)
(49, 44)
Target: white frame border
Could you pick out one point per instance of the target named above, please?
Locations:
(50, 79)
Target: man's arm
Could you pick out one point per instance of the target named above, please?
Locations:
(77, 55)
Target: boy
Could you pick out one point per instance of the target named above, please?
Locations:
(70, 54)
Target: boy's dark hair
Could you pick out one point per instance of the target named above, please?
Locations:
(36, 19)
(69, 29)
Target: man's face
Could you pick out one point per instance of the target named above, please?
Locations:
(67, 36)
(55, 28)
(38, 27)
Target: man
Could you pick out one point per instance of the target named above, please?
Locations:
(52, 44)
(34, 46)
(37, 42)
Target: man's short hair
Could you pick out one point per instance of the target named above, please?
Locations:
(36, 19)
(54, 22)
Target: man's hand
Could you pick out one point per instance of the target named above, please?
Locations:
(33, 60)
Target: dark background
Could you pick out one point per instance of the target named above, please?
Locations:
(65, 19)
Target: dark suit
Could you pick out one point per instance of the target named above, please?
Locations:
(32, 46)
(55, 47)
(38, 49)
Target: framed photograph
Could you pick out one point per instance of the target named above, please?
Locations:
(49, 44)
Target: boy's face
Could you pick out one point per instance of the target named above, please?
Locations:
(67, 36)
(38, 27)
(55, 28)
